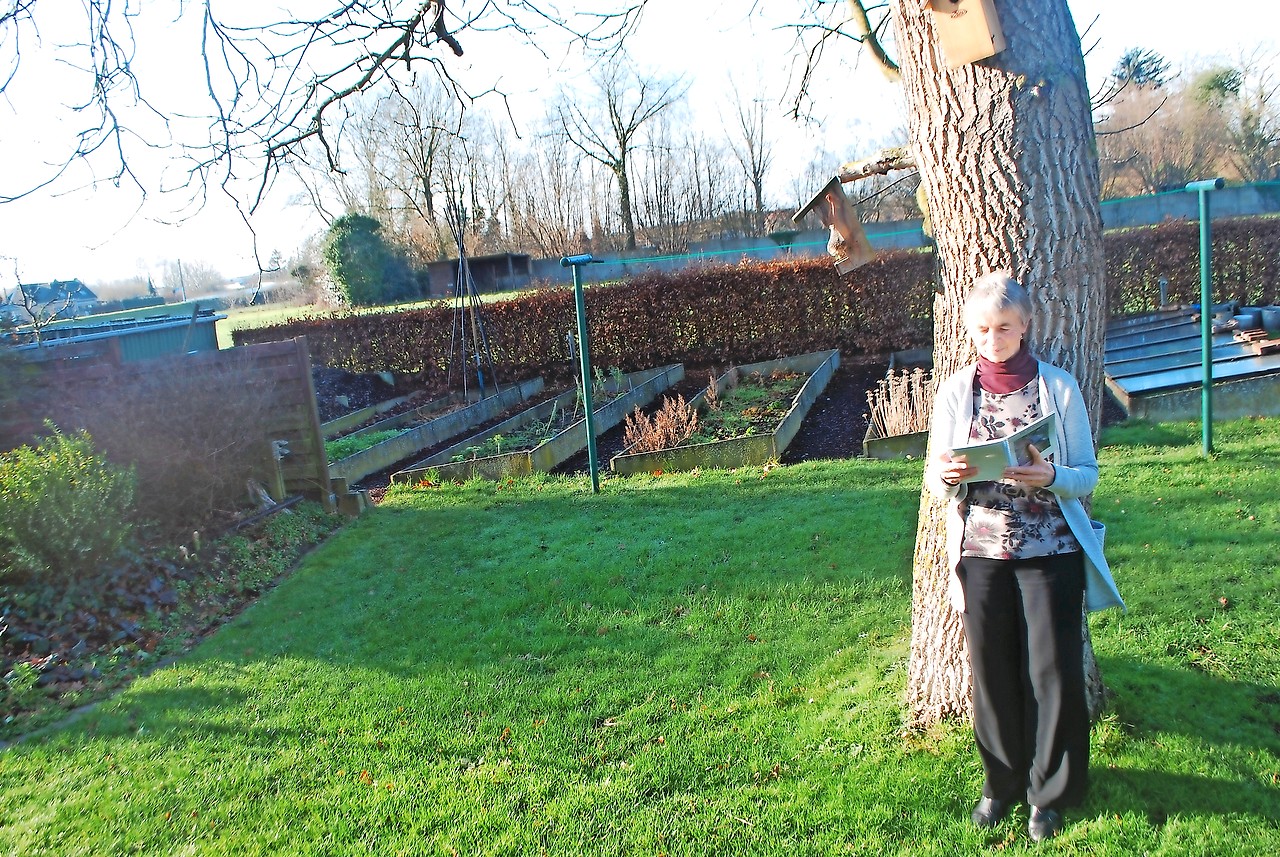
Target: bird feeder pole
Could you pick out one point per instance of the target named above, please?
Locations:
(576, 262)
(1203, 188)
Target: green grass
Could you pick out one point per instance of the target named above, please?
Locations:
(342, 447)
(755, 403)
(702, 663)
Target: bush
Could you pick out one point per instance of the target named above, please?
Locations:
(363, 267)
(718, 315)
(673, 424)
(63, 509)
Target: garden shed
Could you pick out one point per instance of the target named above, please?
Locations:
(500, 272)
(135, 339)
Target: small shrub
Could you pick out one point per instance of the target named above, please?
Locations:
(712, 397)
(669, 426)
(63, 508)
(20, 688)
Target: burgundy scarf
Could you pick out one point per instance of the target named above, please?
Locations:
(1009, 376)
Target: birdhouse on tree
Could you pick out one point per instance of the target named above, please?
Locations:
(969, 30)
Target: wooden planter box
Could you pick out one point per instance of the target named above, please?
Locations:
(912, 445)
(339, 426)
(751, 449)
(644, 388)
(412, 441)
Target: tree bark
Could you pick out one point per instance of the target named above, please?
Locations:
(1008, 164)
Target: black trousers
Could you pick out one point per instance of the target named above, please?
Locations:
(1030, 718)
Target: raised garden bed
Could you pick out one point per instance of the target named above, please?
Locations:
(761, 442)
(416, 430)
(913, 445)
(348, 423)
(540, 438)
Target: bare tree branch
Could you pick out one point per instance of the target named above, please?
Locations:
(270, 85)
(879, 164)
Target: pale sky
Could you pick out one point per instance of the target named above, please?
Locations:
(101, 235)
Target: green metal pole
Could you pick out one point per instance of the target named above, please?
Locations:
(1206, 314)
(576, 262)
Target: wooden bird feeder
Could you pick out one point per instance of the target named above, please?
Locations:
(848, 245)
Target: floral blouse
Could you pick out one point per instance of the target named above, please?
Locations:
(1006, 519)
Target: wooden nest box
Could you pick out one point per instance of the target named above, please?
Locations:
(969, 30)
(848, 245)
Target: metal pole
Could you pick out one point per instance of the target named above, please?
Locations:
(576, 262)
(1206, 314)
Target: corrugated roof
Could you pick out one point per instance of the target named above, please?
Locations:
(1161, 351)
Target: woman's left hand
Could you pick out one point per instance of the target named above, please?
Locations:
(1038, 474)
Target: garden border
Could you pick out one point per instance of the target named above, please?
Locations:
(645, 387)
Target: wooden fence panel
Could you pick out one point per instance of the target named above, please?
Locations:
(68, 384)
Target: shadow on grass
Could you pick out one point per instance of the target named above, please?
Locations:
(1158, 795)
(1211, 715)
(694, 584)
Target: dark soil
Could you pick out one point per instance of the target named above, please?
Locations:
(837, 422)
(339, 392)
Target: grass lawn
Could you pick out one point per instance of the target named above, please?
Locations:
(689, 664)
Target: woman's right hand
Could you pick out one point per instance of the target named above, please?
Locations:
(954, 469)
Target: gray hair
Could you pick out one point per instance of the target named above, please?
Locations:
(996, 292)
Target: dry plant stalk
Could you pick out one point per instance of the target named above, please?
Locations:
(669, 426)
(712, 397)
(901, 403)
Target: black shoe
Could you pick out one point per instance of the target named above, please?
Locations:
(989, 812)
(1044, 823)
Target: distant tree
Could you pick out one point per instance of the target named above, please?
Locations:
(751, 148)
(1154, 140)
(364, 268)
(192, 277)
(607, 130)
(1216, 86)
(549, 204)
(1141, 67)
(665, 185)
(1255, 125)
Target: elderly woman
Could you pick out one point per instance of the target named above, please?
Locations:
(1025, 561)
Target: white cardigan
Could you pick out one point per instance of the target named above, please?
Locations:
(1075, 464)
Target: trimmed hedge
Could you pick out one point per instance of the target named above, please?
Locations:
(761, 311)
(1246, 263)
(702, 316)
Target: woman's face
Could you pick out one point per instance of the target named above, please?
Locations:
(997, 334)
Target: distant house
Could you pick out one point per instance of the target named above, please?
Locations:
(66, 298)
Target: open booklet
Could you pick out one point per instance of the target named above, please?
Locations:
(993, 456)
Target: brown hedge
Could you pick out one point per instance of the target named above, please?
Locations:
(759, 311)
(1246, 263)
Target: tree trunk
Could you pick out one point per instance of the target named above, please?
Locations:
(624, 204)
(1009, 168)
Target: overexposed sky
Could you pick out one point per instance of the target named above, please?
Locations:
(106, 233)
